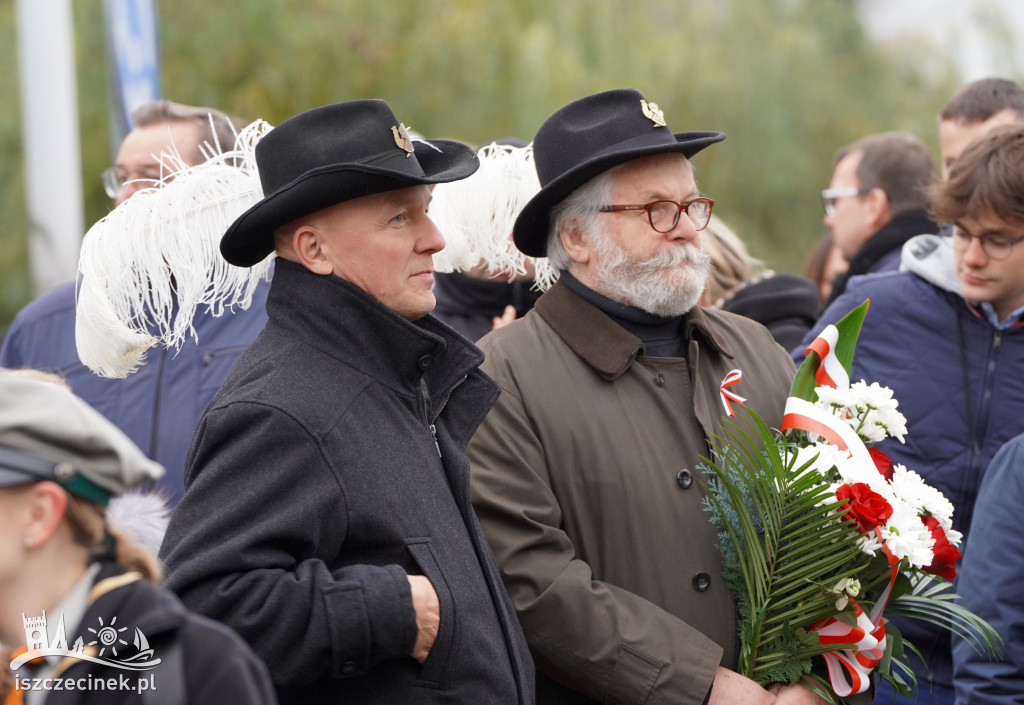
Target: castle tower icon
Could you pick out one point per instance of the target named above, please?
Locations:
(35, 632)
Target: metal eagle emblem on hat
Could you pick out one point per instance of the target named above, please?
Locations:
(653, 113)
(402, 139)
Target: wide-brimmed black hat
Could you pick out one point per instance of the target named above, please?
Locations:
(333, 154)
(587, 137)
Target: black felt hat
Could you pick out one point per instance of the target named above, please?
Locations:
(587, 137)
(333, 154)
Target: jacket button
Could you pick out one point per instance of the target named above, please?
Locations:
(424, 362)
(701, 581)
(684, 478)
(348, 668)
(660, 380)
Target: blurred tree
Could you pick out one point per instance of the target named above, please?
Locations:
(790, 81)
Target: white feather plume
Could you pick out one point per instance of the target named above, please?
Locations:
(476, 215)
(146, 268)
(141, 515)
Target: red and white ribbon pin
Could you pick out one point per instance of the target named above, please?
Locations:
(734, 377)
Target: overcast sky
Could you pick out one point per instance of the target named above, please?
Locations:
(957, 24)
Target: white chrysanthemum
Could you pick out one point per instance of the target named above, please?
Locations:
(852, 471)
(868, 543)
(869, 409)
(907, 536)
(952, 535)
(822, 458)
(911, 488)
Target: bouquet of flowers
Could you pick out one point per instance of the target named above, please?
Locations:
(821, 535)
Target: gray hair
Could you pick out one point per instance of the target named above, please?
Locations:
(217, 130)
(580, 209)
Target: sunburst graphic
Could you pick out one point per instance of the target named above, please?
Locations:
(108, 636)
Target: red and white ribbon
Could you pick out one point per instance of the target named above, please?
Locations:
(802, 415)
(732, 378)
(830, 372)
(849, 670)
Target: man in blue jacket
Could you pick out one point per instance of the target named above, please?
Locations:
(947, 335)
(158, 406)
(327, 515)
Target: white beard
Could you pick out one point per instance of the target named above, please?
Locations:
(668, 284)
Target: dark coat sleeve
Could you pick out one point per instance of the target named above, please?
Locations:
(250, 542)
(990, 582)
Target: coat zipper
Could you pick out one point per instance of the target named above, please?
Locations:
(425, 398)
(986, 395)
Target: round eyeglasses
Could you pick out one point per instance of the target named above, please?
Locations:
(115, 177)
(664, 215)
(995, 246)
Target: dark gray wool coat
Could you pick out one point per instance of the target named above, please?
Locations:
(328, 467)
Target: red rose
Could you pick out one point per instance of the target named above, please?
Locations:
(882, 462)
(868, 508)
(946, 554)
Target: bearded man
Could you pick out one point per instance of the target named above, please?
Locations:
(586, 473)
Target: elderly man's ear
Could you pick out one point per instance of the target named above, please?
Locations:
(576, 242)
(304, 244)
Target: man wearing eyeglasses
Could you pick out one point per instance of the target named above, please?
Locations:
(158, 406)
(162, 134)
(876, 202)
(586, 472)
(947, 335)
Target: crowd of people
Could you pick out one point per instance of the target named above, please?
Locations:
(393, 484)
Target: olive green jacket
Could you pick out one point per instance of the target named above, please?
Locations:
(586, 481)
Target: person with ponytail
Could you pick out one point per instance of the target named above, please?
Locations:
(82, 616)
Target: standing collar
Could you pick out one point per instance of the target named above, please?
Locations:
(600, 341)
(341, 320)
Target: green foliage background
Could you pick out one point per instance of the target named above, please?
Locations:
(790, 81)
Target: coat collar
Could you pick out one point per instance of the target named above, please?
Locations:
(341, 320)
(603, 344)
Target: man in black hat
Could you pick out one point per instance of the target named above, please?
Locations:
(327, 514)
(586, 472)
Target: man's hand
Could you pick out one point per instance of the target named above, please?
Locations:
(504, 319)
(428, 615)
(796, 694)
(730, 688)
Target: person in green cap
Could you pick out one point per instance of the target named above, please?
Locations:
(80, 595)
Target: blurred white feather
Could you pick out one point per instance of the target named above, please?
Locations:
(140, 515)
(148, 265)
(475, 215)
